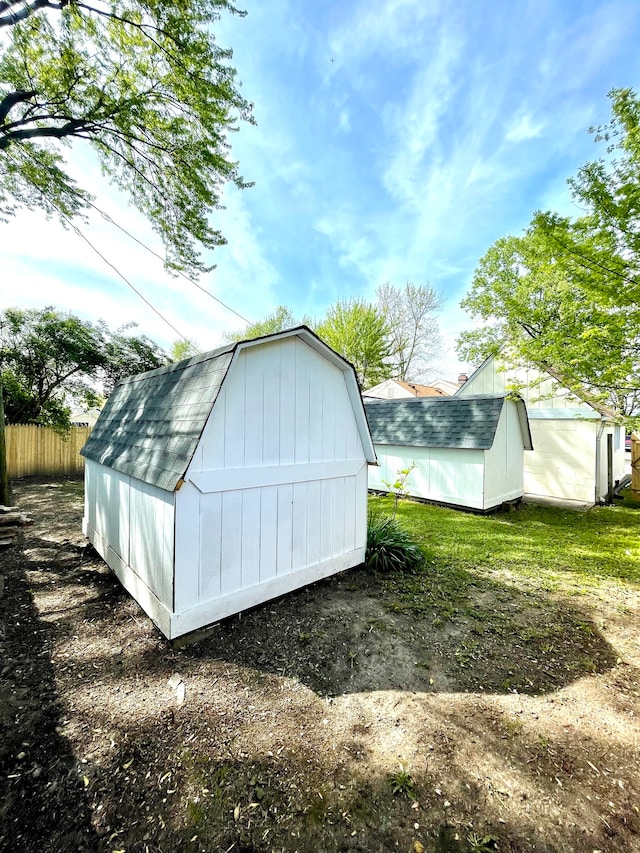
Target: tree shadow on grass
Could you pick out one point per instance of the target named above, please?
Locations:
(42, 801)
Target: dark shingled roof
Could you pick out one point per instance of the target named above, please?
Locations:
(152, 422)
(452, 422)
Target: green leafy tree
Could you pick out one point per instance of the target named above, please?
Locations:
(282, 318)
(183, 348)
(145, 83)
(413, 335)
(49, 359)
(537, 314)
(565, 297)
(603, 245)
(359, 332)
(126, 355)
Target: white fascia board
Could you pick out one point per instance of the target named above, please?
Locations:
(308, 337)
(523, 420)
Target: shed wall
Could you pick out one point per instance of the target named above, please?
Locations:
(504, 478)
(563, 464)
(131, 525)
(619, 459)
(445, 475)
(537, 389)
(276, 494)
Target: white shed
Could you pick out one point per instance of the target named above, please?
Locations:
(467, 452)
(222, 481)
(569, 462)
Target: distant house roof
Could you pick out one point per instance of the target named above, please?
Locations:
(86, 418)
(151, 424)
(446, 385)
(468, 423)
(399, 389)
(421, 390)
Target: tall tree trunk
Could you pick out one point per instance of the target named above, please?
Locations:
(4, 477)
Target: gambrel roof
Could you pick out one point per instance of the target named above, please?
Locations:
(468, 423)
(151, 424)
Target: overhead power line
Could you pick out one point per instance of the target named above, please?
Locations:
(123, 277)
(100, 255)
(108, 218)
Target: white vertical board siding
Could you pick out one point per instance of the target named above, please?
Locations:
(107, 506)
(445, 475)
(131, 525)
(537, 389)
(504, 473)
(151, 537)
(283, 409)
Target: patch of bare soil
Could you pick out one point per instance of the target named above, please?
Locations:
(359, 714)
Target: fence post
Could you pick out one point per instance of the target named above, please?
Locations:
(4, 475)
(635, 466)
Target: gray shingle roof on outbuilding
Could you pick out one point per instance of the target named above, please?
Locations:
(468, 423)
(152, 422)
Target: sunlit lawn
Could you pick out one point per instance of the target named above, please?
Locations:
(553, 545)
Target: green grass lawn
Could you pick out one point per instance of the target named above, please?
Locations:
(554, 546)
(520, 591)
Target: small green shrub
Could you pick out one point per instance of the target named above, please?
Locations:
(390, 547)
(402, 783)
(481, 843)
(399, 489)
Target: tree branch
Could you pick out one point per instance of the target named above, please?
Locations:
(71, 128)
(10, 100)
(12, 17)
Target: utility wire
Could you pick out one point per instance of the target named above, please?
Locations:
(108, 218)
(117, 272)
(100, 255)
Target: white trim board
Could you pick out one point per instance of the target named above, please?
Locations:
(237, 479)
(211, 611)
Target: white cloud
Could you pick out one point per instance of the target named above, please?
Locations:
(523, 128)
(391, 28)
(344, 121)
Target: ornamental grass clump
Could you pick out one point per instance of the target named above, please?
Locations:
(390, 547)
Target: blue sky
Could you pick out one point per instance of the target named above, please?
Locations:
(396, 140)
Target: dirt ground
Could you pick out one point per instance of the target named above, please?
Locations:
(337, 718)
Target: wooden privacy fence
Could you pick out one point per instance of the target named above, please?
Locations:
(37, 450)
(635, 465)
